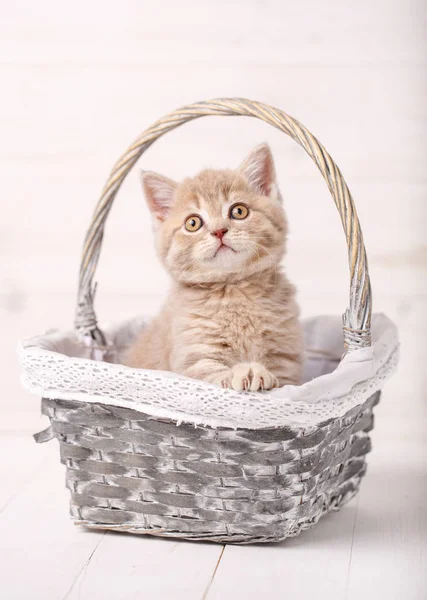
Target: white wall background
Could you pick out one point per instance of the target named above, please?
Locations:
(79, 81)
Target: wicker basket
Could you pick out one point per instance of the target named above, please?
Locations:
(157, 453)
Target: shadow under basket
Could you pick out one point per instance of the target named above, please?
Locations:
(156, 453)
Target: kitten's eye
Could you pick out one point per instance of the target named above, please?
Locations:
(239, 211)
(193, 223)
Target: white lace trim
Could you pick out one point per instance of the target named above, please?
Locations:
(57, 365)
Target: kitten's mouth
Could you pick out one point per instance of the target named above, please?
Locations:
(223, 248)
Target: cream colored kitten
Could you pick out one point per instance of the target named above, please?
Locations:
(231, 317)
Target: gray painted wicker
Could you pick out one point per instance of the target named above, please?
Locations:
(130, 471)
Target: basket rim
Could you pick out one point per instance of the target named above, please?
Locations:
(357, 376)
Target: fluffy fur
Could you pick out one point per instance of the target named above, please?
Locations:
(231, 317)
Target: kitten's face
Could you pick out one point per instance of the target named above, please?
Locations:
(219, 225)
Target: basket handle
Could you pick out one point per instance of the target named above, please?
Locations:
(356, 319)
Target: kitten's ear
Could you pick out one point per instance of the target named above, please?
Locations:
(159, 192)
(258, 169)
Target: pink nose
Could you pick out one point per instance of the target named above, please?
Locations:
(219, 233)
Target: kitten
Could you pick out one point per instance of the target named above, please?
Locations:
(231, 317)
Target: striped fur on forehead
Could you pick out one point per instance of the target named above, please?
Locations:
(209, 189)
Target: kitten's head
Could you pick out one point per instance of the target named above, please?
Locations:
(220, 225)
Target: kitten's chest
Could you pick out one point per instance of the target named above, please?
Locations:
(237, 322)
(240, 315)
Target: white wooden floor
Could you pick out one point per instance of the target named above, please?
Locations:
(79, 82)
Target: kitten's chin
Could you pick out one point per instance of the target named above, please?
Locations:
(227, 266)
(226, 259)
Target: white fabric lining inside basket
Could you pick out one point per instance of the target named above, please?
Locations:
(58, 365)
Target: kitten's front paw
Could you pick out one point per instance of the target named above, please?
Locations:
(262, 379)
(252, 377)
(222, 379)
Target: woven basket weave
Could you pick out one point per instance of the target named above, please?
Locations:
(133, 468)
(128, 472)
